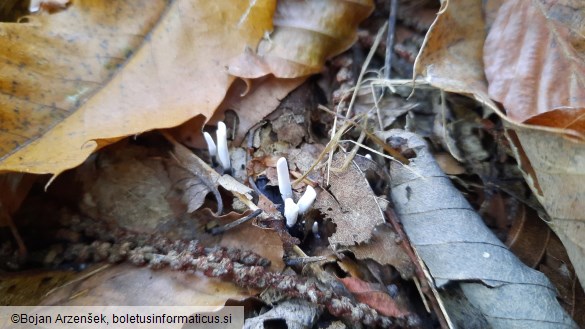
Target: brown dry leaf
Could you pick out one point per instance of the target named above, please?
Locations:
(557, 267)
(534, 243)
(30, 287)
(528, 237)
(129, 285)
(375, 296)
(384, 249)
(452, 59)
(247, 236)
(190, 189)
(552, 167)
(77, 80)
(451, 56)
(541, 81)
(306, 33)
(545, 69)
(352, 205)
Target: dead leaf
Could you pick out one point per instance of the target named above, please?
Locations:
(351, 205)
(290, 120)
(528, 237)
(191, 189)
(449, 164)
(129, 285)
(327, 28)
(30, 287)
(452, 59)
(545, 88)
(375, 296)
(544, 70)
(101, 70)
(457, 247)
(384, 249)
(264, 242)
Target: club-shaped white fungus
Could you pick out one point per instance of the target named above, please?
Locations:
(315, 228)
(210, 144)
(283, 179)
(291, 212)
(306, 201)
(222, 147)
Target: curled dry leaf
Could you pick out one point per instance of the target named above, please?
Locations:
(250, 103)
(193, 178)
(305, 34)
(457, 247)
(79, 79)
(451, 56)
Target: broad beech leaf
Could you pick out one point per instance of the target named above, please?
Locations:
(534, 58)
(101, 70)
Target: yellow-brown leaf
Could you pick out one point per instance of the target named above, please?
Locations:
(101, 70)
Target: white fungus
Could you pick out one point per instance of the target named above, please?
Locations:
(222, 147)
(283, 179)
(291, 212)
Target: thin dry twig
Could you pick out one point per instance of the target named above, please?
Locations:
(393, 153)
(365, 67)
(390, 38)
(222, 229)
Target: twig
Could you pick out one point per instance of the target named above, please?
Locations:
(221, 229)
(328, 148)
(364, 68)
(390, 39)
(304, 260)
(395, 154)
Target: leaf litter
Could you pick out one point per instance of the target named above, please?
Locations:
(544, 138)
(343, 224)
